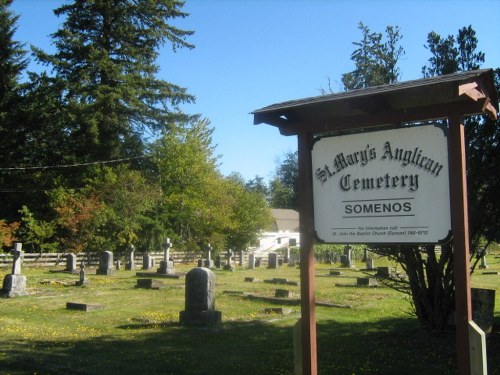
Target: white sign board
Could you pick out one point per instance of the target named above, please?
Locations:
(388, 186)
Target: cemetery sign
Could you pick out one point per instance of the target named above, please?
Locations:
(385, 186)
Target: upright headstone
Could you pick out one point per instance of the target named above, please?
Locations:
(241, 258)
(70, 262)
(229, 265)
(483, 265)
(370, 264)
(348, 253)
(15, 284)
(365, 255)
(200, 299)
(483, 308)
(287, 255)
(83, 280)
(218, 261)
(105, 263)
(131, 258)
(209, 263)
(272, 261)
(251, 261)
(147, 261)
(166, 265)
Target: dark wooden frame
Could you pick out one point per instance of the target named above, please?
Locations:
(445, 97)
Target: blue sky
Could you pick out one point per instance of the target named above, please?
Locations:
(253, 53)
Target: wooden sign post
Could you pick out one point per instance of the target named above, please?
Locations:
(392, 106)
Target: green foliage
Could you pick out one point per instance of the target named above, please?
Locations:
(37, 234)
(283, 189)
(376, 60)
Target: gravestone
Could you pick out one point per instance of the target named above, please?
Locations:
(209, 263)
(251, 261)
(383, 272)
(477, 350)
(14, 285)
(148, 261)
(83, 280)
(70, 262)
(200, 299)
(149, 284)
(229, 266)
(370, 264)
(287, 255)
(118, 265)
(131, 258)
(483, 308)
(201, 262)
(166, 265)
(272, 261)
(241, 258)
(258, 262)
(105, 263)
(483, 265)
(345, 261)
(217, 261)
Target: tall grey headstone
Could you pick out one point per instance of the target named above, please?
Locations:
(209, 263)
(131, 258)
(272, 261)
(241, 258)
(70, 262)
(251, 261)
(200, 299)
(287, 255)
(147, 261)
(105, 263)
(166, 265)
(229, 265)
(15, 284)
(370, 264)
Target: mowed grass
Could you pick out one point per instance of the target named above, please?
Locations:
(138, 331)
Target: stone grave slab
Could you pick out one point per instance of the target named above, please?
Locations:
(84, 306)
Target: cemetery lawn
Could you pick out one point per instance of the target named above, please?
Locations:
(371, 331)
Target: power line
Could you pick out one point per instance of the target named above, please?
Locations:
(72, 165)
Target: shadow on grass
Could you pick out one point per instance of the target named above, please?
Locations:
(394, 346)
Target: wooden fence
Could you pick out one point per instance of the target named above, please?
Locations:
(92, 259)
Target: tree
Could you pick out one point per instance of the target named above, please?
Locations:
(37, 233)
(376, 60)
(249, 214)
(13, 61)
(283, 189)
(104, 73)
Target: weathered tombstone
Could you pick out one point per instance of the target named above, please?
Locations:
(105, 263)
(345, 261)
(15, 284)
(70, 262)
(483, 265)
(149, 283)
(209, 263)
(118, 265)
(147, 261)
(366, 281)
(217, 261)
(272, 261)
(287, 255)
(166, 265)
(370, 264)
(258, 262)
(383, 272)
(200, 299)
(251, 261)
(241, 258)
(131, 260)
(365, 255)
(483, 308)
(200, 262)
(229, 266)
(348, 254)
(83, 280)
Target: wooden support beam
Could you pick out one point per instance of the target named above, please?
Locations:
(460, 229)
(306, 222)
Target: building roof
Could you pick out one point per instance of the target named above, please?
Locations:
(285, 220)
(464, 93)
